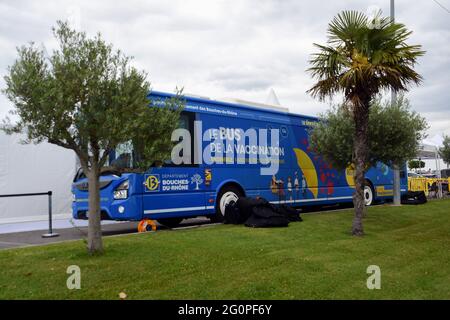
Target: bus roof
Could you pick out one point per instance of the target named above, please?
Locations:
(235, 103)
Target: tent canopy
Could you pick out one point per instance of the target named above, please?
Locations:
(427, 151)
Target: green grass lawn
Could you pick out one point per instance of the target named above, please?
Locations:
(313, 259)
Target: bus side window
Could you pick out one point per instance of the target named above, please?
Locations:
(186, 121)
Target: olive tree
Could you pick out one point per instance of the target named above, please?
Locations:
(86, 97)
(444, 151)
(394, 134)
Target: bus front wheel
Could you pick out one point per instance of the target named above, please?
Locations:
(228, 195)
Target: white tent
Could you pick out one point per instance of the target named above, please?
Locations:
(30, 169)
(429, 152)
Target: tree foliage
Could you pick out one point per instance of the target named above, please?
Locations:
(395, 132)
(444, 151)
(416, 164)
(360, 60)
(86, 97)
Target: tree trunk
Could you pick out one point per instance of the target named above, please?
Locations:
(95, 245)
(361, 118)
(396, 186)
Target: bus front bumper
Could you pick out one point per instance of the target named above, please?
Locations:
(120, 210)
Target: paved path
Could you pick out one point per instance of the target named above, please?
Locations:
(34, 237)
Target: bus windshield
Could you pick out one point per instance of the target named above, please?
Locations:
(123, 157)
(126, 156)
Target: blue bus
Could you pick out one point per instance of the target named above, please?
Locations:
(282, 170)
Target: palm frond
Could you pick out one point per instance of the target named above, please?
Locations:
(346, 26)
(360, 61)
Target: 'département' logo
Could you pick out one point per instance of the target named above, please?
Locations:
(152, 183)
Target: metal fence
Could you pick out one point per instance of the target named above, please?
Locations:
(50, 233)
(432, 187)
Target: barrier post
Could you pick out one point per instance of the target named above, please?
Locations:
(50, 233)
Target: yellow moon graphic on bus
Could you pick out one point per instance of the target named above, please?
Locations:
(308, 169)
(350, 175)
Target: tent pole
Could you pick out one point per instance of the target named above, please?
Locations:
(438, 173)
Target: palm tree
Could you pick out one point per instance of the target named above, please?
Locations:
(362, 58)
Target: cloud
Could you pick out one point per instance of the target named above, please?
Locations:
(233, 49)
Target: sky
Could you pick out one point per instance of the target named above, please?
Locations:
(233, 49)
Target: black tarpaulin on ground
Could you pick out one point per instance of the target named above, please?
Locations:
(259, 213)
(414, 197)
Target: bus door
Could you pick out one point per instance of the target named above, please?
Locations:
(176, 190)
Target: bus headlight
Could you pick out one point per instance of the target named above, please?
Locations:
(121, 191)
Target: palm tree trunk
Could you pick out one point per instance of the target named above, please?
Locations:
(95, 245)
(361, 118)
